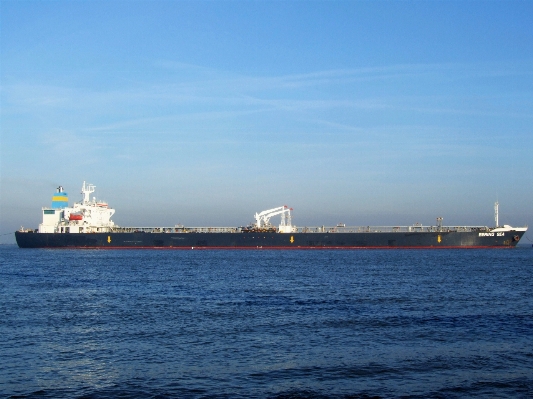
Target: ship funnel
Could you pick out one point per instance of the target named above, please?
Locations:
(60, 199)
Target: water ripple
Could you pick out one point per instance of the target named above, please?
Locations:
(274, 324)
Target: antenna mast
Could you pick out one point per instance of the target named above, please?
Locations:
(496, 204)
(86, 190)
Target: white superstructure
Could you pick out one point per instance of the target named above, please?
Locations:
(506, 227)
(87, 216)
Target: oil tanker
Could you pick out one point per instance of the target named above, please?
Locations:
(87, 224)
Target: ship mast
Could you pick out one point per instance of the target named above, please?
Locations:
(496, 204)
(86, 191)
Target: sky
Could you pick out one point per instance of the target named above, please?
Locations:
(205, 112)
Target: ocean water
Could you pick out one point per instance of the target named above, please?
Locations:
(266, 323)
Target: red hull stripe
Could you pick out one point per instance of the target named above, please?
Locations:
(288, 248)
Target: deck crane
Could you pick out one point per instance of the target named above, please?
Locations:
(262, 219)
(267, 214)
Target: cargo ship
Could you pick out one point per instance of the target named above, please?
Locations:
(87, 224)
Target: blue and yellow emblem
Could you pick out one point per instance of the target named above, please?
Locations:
(60, 200)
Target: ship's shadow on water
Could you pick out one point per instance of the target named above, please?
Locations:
(266, 324)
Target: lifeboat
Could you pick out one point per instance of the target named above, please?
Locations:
(75, 216)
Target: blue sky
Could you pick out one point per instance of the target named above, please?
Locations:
(204, 112)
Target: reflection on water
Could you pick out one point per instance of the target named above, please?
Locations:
(266, 324)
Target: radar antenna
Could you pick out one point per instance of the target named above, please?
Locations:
(86, 190)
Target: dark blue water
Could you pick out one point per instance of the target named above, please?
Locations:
(266, 324)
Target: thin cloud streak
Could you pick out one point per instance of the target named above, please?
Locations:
(241, 91)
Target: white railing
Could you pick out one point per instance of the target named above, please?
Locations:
(320, 229)
(389, 229)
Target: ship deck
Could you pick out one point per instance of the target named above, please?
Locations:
(319, 229)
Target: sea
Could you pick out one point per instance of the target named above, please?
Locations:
(395, 323)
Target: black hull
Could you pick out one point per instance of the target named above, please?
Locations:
(453, 239)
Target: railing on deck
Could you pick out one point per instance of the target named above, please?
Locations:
(389, 229)
(320, 229)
